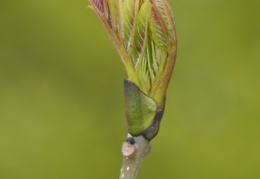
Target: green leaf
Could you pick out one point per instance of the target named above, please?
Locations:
(128, 18)
(146, 72)
(141, 33)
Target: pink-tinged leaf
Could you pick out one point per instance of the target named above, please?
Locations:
(164, 10)
(99, 4)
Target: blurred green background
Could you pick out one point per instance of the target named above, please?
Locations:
(61, 94)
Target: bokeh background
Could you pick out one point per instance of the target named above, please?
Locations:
(61, 94)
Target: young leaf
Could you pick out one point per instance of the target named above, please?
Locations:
(140, 33)
(128, 18)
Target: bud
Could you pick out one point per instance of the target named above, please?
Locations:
(144, 35)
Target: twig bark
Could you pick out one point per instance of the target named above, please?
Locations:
(134, 151)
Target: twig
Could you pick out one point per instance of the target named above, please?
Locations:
(134, 151)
